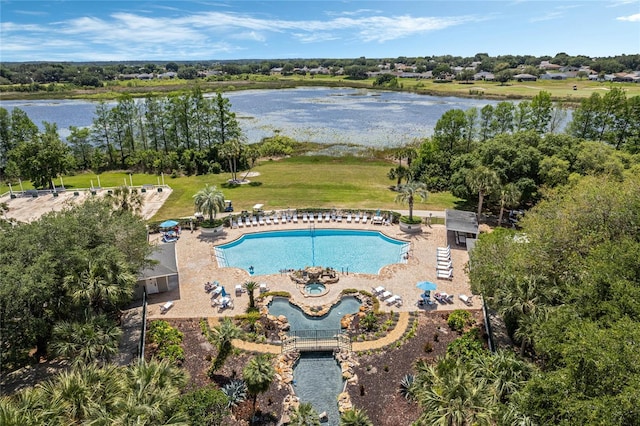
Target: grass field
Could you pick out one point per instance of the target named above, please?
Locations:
(298, 182)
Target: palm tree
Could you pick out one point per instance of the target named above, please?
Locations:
(251, 287)
(355, 417)
(304, 415)
(509, 197)
(521, 301)
(399, 173)
(125, 199)
(258, 374)
(408, 192)
(103, 285)
(96, 339)
(483, 181)
(455, 397)
(223, 334)
(209, 200)
(506, 373)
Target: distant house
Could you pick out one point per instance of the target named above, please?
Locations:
(546, 65)
(168, 75)
(163, 275)
(145, 76)
(275, 71)
(525, 77)
(553, 76)
(484, 75)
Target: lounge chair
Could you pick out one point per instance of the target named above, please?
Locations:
(311, 217)
(356, 218)
(295, 218)
(263, 288)
(319, 217)
(240, 223)
(364, 218)
(466, 299)
(392, 300)
(305, 219)
(164, 308)
(443, 258)
(445, 265)
(339, 218)
(445, 275)
(327, 217)
(446, 249)
(276, 221)
(239, 290)
(349, 218)
(378, 290)
(261, 220)
(385, 295)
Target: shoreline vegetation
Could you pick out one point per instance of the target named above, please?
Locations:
(569, 92)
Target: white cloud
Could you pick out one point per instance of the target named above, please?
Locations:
(547, 16)
(630, 18)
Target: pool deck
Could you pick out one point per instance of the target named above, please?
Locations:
(197, 265)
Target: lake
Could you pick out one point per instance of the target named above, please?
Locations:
(363, 117)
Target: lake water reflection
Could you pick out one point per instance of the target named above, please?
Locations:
(363, 117)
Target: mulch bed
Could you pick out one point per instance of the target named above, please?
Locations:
(379, 372)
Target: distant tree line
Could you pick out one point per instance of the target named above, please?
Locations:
(39, 76)
(520, 147)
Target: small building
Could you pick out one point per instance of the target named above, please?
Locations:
(553, 76)
(163, 275)
(484, 75)
(461, 225)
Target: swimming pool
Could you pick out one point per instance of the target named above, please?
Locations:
(347, 250)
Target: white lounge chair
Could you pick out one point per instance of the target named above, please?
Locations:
(295, 218)
(385, 295)
(239, 290)
(311, 217)
(339, 218)
(327, 217)
(305, 219)
(267, 220)
(276, 221)
(263, 288)
(445, 265)
(392, 300)
(364, 218)
(164, 308)
(319, 217)
(378, 290)
(356, 218)
(466, 299)
(240, 223)
(445, 249)
(349, 218)
(445, 275)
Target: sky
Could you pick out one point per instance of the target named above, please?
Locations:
(176, 30)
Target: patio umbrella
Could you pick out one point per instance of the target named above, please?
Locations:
(168, 224)
(223, 293)
(426, 285)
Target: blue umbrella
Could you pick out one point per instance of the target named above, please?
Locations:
(168, 224)
(223, 293)
(426, 285)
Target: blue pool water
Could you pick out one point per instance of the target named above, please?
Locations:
(342, 249)
(298, 320)
(317, 375)
(318, 380)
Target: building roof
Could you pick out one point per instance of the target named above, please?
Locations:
(165, 255)
(461, 221)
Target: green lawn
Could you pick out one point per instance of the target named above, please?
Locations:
(298, 182)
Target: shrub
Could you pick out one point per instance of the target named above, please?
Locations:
(161, 333)
(458, 319)
(173, 353)
(428, 347)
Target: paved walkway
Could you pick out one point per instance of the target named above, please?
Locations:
(392, 336)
